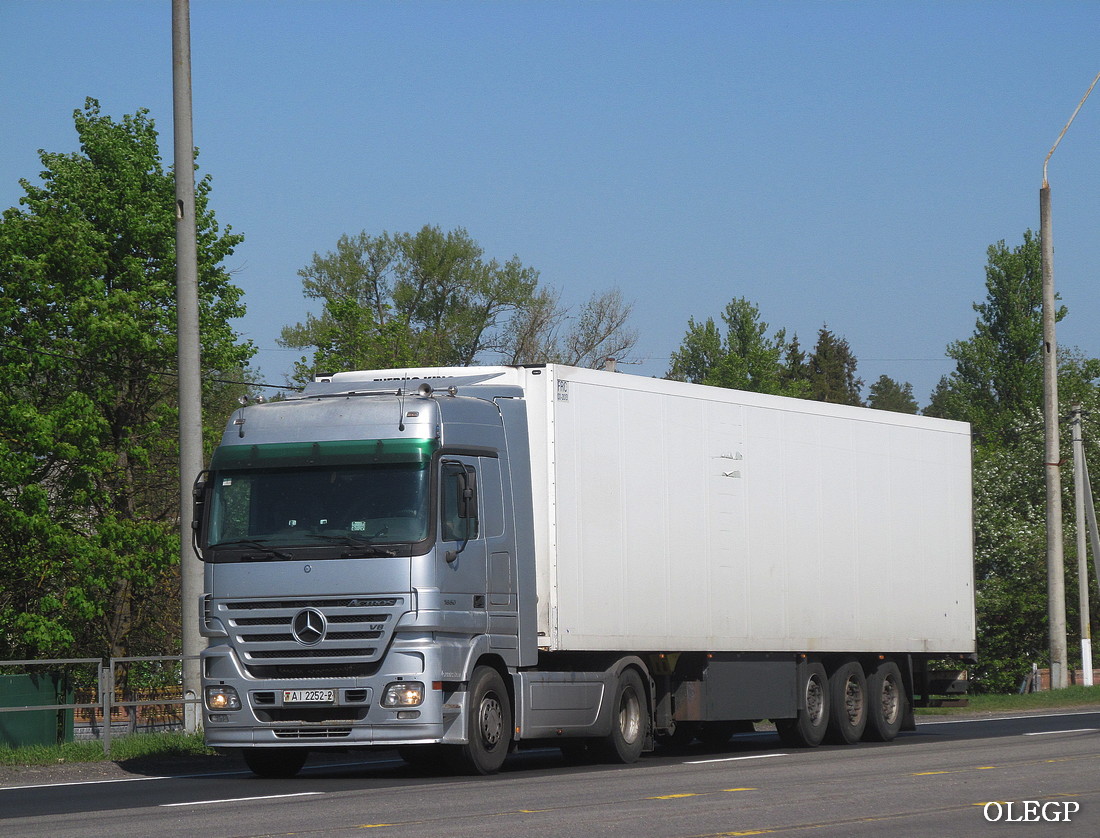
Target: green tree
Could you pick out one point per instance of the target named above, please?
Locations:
(88, 450)
(887, 394)
(413, 299)
(546, 332)
(832, 371)
(795, 367)
(431, 299)
(1010, 558)
(998, 371)
(741, 357)
(997, 386)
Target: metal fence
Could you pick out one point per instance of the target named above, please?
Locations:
(110, 709)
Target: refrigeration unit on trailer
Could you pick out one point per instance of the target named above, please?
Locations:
(460, 561)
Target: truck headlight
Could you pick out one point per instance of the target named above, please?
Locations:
(222, 698)
(403, 694)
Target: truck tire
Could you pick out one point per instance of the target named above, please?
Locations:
(489, 724)
(274, 763)
(848, 700)
(630, 716)
(807, 729)
(886, 703)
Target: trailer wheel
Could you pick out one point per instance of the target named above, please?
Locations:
(489, 723)
(886, 703)
(628, 725)
(848, 694)
(807, 729)
(275, 763)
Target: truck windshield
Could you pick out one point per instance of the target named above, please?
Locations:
(352, 505)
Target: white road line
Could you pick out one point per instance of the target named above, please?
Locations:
(207, 774)
(1048, 732)
(242, 799)
(732, 759)
(87, 783)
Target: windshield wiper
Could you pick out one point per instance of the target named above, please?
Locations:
(367, 551)
(363, 548)
(340, 539)
(256, 544)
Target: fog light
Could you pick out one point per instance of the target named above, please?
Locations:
(222, 698)
(403, 694)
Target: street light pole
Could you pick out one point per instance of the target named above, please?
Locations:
(1056, 571)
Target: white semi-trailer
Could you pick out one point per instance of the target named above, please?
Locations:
(457, 562)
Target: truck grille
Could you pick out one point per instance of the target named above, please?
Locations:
(310, 637)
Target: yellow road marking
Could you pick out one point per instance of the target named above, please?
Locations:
(955, 771)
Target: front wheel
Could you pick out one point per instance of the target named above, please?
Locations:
(489, 722)
(275, 763)
(628, 726)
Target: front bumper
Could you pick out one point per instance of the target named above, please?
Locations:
(353, 718)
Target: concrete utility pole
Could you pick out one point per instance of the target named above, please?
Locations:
(1056, 571)
(1056, 579)
(1082, 552)
(187, 336)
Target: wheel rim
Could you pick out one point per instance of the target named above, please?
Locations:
(630, 716)
(815, 701)
(891, 701)
(853, 700)
(491, 720)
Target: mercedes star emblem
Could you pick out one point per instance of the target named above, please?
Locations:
(308, 626)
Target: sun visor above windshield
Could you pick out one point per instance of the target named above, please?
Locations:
(335, 452)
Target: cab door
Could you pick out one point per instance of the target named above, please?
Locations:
(462, 544)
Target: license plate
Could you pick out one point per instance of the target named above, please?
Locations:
(309, 696)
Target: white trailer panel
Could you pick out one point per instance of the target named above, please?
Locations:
(676, 517)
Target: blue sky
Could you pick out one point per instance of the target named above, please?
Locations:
(836, 163)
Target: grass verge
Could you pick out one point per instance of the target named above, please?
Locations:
(123, 748)
(1051, 699)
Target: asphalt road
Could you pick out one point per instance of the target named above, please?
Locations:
(1005, 776)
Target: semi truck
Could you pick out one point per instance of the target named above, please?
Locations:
(459, 562)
